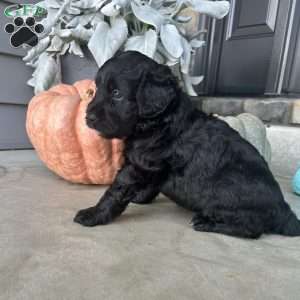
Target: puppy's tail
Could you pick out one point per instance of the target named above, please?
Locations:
(291, 226)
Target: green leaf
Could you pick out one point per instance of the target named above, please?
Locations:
(148, 15)
(37, 50)
(52, 3)
(188, 84)
(186, 56)
(88, 4)
(169, 59)
(75, 49)
(215, 9)
(106, 40)
(183, 19)
(111, 9)
(56, 44)
(171, 40)
(46, 74)
(145, 43)
(197, 44)
(195, 80)
(92, 18)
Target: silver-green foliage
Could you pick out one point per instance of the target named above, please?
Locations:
(152, 27)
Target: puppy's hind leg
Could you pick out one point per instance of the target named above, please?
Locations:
(228, 225)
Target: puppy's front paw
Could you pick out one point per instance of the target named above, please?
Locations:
(199, 221)
(90, 217)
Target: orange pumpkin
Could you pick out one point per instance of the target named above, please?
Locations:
(56, 127)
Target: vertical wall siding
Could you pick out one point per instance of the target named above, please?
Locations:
(14, 93)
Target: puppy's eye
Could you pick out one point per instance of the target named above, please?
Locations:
(116, 95)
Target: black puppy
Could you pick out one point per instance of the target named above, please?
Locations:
(170, 147)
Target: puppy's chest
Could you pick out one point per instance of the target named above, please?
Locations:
(147, 156)
(180, 156)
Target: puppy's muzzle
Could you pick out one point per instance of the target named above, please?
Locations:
(91, 120)
(91, 117)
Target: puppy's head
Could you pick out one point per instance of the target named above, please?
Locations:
(130, 88)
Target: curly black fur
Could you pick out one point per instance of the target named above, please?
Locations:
(196, 160)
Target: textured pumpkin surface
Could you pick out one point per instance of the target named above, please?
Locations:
(56, 127)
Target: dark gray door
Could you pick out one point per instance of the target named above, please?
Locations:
(292, 75)
(251, 45)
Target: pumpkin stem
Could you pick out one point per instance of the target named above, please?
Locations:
(90, 93)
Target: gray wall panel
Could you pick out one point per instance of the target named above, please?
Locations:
(14, 75)
(12, 127)
(75, 68)
(14, 92)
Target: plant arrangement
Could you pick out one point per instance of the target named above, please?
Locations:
(154, 27)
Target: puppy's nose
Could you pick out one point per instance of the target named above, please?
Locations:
(91, 117)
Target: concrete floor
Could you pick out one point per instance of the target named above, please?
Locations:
(150, 252)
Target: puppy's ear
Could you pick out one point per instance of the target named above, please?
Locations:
(157, 89)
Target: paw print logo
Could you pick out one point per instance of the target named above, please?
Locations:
(24, 31)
